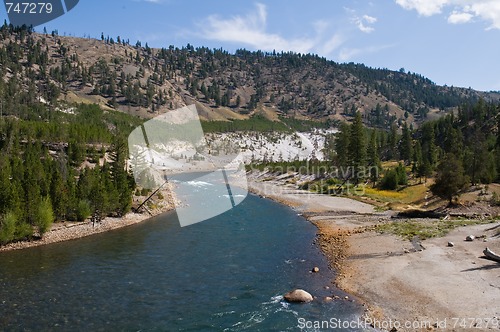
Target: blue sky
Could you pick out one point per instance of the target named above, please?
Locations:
(453, 42)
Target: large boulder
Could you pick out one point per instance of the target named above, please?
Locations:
(298, 296)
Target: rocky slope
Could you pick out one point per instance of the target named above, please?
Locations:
(145, 82)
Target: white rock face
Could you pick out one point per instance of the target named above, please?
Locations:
(274, 146)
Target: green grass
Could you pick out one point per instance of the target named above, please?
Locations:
(426, 229)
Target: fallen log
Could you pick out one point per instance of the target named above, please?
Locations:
(415, 213)
(491, 255)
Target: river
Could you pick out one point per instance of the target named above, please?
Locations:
(225, 274)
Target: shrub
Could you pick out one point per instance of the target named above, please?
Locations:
(8, 228)
(494, 199)
(83, 210)
(394, 177)
(390, 180)
(23, 231)
(450, 179)
(45, 216)
(401, 173)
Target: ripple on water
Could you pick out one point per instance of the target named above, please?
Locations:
(228, 273)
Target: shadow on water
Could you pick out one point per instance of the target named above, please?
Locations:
(55, 256)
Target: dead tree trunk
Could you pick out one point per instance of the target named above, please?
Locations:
(491, 255)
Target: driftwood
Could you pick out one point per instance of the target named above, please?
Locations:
(491, 255)
(420, 214)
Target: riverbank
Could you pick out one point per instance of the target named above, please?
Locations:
(66, 231)
(439, 288)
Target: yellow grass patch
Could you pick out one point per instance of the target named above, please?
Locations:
(414, 195)
(383, 194)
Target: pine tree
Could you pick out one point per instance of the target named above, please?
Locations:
(71, 195)
(120, 177)
(373, 158)
(392, 142)
(58, 194)
(424, 169)
(405, 145)
(480, 162)
(416, 157)
(5, 186)
(139, 165)
(357, 146)
(429, 149)
(450, 179)
(342, 145)
(31, 185)
(76, 152)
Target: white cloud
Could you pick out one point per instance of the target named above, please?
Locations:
(321, 26)
(369, 19)
(331, 44)
(423, 7)
(463, 11)
(251, 30)
(348, 54)
(459, 17)
(488, 10)
(363, 23)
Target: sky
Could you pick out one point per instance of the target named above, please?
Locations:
(452, 42)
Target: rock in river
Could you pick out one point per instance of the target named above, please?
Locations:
(299, 296)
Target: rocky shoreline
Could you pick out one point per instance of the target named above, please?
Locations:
(392, 281)
(65, 231)
(72, 230)
(434, 288)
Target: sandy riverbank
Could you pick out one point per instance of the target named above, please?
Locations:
(66, 231)
(441, 284)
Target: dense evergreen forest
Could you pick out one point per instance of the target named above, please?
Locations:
(458, 150)
(64, 169)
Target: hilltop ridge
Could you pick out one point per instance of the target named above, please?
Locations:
(145, 82)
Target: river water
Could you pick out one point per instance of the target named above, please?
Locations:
(224, 274)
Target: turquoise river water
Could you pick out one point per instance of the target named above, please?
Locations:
(225, 274)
